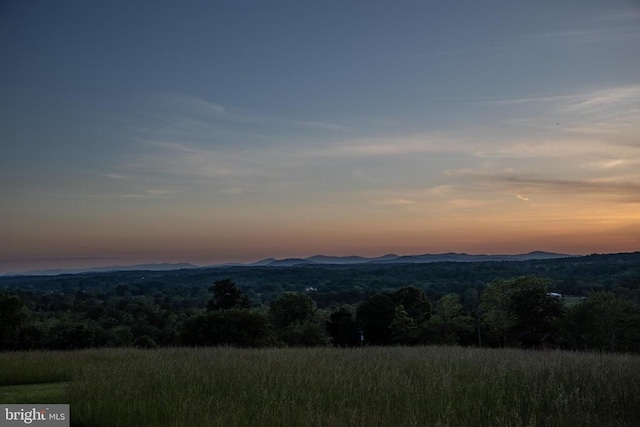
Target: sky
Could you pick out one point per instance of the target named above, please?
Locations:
(229, 131)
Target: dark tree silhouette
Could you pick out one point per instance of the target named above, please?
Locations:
(290, 308)
(241, 328)
(415, 302)
(343, 328)
(522, 304)
(227, 296)
(374, 316)
(11, 318)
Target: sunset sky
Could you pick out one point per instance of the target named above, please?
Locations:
(217, 131)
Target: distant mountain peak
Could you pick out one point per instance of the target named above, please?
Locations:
(405, 259)
(265, 261)
(290, 262)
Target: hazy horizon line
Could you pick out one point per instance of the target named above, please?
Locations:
(245, 263)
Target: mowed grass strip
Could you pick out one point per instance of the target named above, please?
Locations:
(34, 393)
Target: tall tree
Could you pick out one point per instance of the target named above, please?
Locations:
(295, 320)
(374, 315)
(533, 309)
(242, 328)
(495, 309)
(342, 327)
(449, 324)
(12, 317)
(227, 296)
(291, 307)
(403, 328)
(523, 304)
(415, 302)
(603, 322)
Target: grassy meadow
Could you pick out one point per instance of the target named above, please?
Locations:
(326, 386)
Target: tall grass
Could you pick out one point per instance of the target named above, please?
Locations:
(35, 367)
(365, 386)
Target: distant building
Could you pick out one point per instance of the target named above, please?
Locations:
(538, 341)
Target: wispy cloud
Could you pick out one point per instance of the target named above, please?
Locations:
(608, 164)
(529, 100)
(469, 203)
(363, 176)
(552, 148)
(583, 102)
(275, 161)
(573, 187)
(119, 177)
(439, 190)
(388, 146)
(174, 158)
(214, 162)
(185, 137)
(606, 100)
(147, 194)
(600, 123)
(233, 191)
(398, 202)
(595, 27)
(532, 184)
(631, 15)
(581, 35)
(193, 110)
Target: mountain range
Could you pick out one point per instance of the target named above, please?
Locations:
(404, 259)
(315, 260)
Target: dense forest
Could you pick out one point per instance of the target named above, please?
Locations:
(584, 303)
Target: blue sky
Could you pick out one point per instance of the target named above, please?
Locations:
(233, 130)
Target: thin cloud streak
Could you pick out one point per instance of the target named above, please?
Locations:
(558, 148)
(581, 36)
(532, 184)
(609, 164)
(185, 107)
(149, 194)
(584, 102)
(398, 202)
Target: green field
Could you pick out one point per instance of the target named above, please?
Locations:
(571, 300)
(325, 386)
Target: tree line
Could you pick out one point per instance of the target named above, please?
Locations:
(497, 315)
